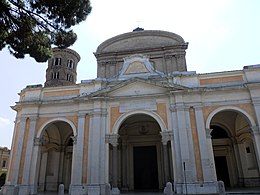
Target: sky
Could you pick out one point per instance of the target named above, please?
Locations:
(223, 35)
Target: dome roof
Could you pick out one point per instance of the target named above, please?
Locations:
(140, 40)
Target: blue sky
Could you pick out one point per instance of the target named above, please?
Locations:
(223, 35)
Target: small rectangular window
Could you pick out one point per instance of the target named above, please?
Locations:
(4, 164)
(248, 150)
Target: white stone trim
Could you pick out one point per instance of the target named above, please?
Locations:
(43, 127)
(230, 108)
(124, 116)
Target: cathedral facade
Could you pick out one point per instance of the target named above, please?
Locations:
(144, 121)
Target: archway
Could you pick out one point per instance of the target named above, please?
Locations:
(55, 156)
(233, 148)
(144, 161)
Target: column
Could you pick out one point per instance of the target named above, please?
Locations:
(256, 135)
(62, 150)
(255, 129)
(35, 165)
(124, 164)
(115, 174)
(113, 140)
(166, 136)
(77, 156)
(211, 154)
(43, 167)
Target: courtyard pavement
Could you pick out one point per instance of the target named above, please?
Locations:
(234, 191)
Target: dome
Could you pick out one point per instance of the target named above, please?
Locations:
(139, 40)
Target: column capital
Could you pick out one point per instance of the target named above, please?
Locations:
(166, 136)
(98, 112)
(255, 130)
(37, 141)
(178, 107)
(82, 114)
(208, 133)
(112, 139)
(74, 138)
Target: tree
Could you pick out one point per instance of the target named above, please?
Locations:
(33, 26)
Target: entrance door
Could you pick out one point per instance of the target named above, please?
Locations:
(145, 168)
(222, 170)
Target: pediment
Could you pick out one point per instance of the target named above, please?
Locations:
(137, 65)
(136, 87)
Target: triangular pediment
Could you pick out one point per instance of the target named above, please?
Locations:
(136, 87)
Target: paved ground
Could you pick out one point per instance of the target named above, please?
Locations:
(238, 191)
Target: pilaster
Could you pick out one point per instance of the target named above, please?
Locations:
(25, 187)
(178, 174)
(96, 145)
(77, 158)
(204, 151)
(187, 150)
(211, 153)
(18, 151)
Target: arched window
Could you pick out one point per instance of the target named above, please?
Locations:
(70, 64)
(69, 77)
(55, 75)
(56, 61)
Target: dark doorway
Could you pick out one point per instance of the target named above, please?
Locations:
(145, 168)
(222, 170)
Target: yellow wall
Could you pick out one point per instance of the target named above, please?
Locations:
(220, 80)
(196, 144)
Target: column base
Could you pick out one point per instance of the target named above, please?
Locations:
(93, 189)
(24, 189)
(76, 189)
(199, 188)
(9, 189)
(115, 190)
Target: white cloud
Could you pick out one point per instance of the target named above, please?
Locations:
(4, 122)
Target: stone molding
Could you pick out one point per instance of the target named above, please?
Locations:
(74, 138)
(112, 139)
(208, 133)
(255, 130)
(166, 136)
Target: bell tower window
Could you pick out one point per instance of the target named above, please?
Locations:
(56, 62)
(70, 64)
(55, 75)
(69, 77)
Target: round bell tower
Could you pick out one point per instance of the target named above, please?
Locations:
(62, 68)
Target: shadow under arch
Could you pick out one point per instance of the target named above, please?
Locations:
(59, 119)
(234, 153)
(124, 116)
(55, 153)
(249, 118)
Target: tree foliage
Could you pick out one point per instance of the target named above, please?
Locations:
(33, 26)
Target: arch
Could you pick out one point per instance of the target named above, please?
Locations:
(229, 108)
(123, 117)
(43, 127)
